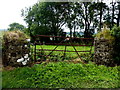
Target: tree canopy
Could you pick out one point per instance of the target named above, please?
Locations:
(16, 26)
(48, 18)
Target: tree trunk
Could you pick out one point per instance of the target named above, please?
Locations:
(70, 32)
(118, 19)
(101, 16)
(86, 33)
(86, 19)
(113, 8)
(74, 30)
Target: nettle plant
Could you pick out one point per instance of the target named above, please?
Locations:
(116, 33)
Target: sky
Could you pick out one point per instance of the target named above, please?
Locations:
(10, 11)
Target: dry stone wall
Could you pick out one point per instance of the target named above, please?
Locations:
(16, 48)
(104, 48)
(104, 51)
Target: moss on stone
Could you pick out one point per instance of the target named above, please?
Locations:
(105, 34)
(16, 37)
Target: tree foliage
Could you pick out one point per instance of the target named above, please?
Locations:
(48, 18)
(116, 33)
(16, 26)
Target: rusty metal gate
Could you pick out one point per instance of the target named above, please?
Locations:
(57, 41)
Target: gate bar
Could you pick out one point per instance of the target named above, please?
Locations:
(61, 37)
(61, 50)
(35, 52)
(55, 48)
(76, 51)
(60, 44)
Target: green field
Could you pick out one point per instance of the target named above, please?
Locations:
(59, 54)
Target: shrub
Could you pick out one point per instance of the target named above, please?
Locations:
(116, 33)
(105, 34)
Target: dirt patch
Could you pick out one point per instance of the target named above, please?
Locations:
(8, 68)
(77, 60)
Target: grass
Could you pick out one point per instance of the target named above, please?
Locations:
(62, 75)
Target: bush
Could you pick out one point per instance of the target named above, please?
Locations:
(116, 33)
(105, 34)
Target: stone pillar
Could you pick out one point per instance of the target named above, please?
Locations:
(15, 47)
(104, 48)
(103, 52)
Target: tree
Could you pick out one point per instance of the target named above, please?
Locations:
(118, 15)
(113, 14)
(16, 26)
(101, 9)
(70, 17)
(107, 19)
(48, 18)
(87, 17)
(45, 16)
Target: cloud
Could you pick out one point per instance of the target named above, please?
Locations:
(10, 11)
